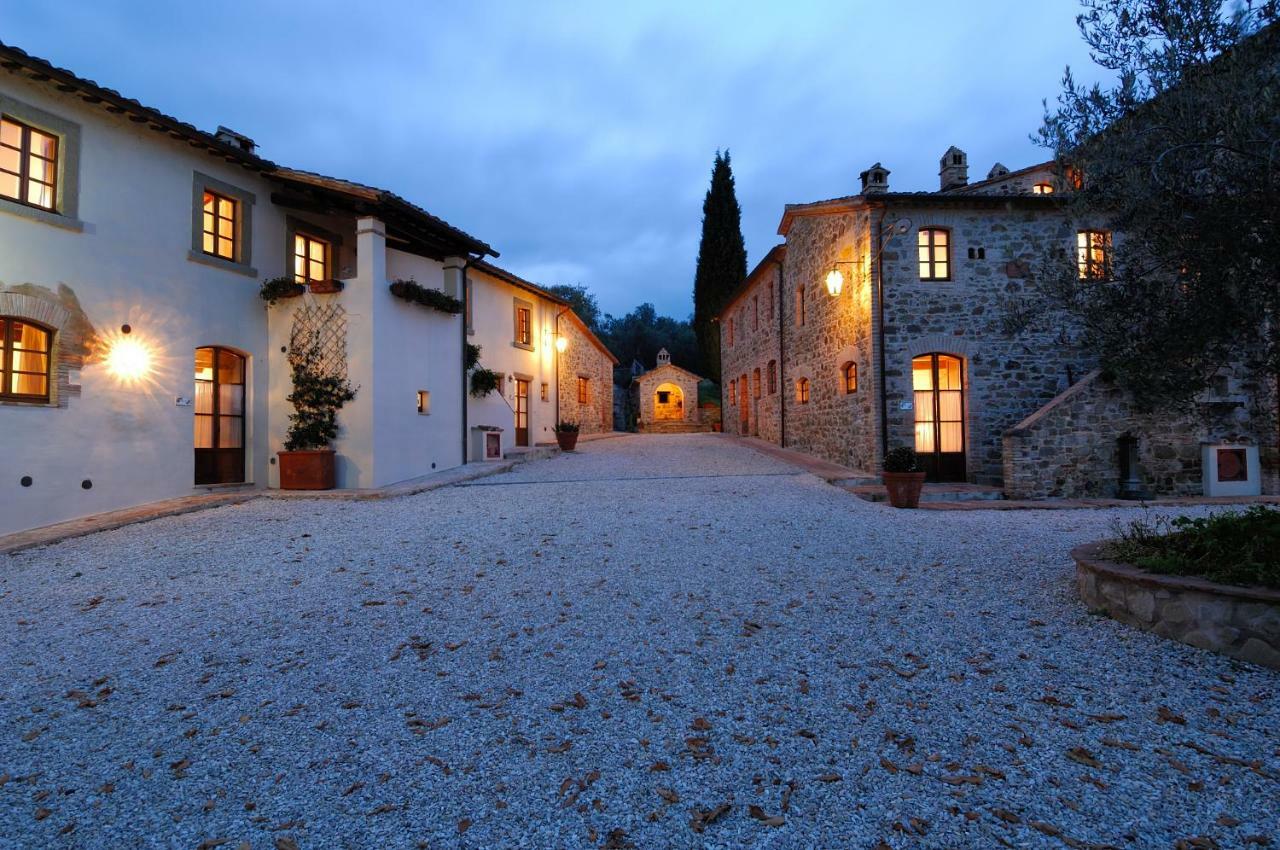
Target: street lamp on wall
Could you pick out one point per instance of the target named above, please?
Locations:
(835, 278)
(561, 343)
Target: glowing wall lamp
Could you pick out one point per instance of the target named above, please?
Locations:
(835, 278)
(128, 359)
(561, 343)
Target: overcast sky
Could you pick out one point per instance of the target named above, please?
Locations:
(577, 138)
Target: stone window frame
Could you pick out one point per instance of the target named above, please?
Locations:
(933, 262)
(772, 379)
(803, 390)
(56, 319)
(293, 226)
(244, 200)
(518, 304)
(584, 389)
(848, 369)
(733, 392)
(800, 306)
(545, 391)
(66, 202)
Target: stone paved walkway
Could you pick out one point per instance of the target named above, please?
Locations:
(653, 642)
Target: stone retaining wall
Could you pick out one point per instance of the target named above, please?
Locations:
(1243, 622)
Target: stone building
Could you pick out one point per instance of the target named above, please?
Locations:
(666, 398)
(891, 318)
(586, 376)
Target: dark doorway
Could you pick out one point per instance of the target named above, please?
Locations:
(219, 416)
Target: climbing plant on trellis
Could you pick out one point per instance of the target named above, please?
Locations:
(325, 326)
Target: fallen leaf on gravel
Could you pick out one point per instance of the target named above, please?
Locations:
(1006, 815)
(1199, 842)
(1166, 715)
(1118, 744)
(1046, 828)
(1106, 718)
(452, 646)
(1083, 756)
(42, 813)
(701, 724)
(463, 825)
(659, 766)
(888, 765)
(352, 788)
(702, 818)
(1050, 699)
(962, 779)
(210, 843)
(829, 777)
(1227, 820)
(617, 840)
(383, 809)
(33, 734)
(669, 795)
(759, 814)
(786, 796)
(563, 747)
(284, 842)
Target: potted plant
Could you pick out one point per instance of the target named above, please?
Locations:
(903, 478)
(278, 288)
(307, 462)
(567, 435)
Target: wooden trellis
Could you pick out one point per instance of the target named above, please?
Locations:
(326, 326)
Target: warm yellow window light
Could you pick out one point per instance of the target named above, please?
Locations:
(128, 359)
(561, 343)
(835, 283)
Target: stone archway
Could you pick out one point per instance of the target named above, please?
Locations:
(668, 403)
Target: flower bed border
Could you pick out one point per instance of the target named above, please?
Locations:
(1242, 622)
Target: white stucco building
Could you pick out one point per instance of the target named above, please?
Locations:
(138, 361)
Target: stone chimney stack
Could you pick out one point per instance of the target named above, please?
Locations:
(875, 180)
(997, 170)
(236, 140)
(953, 169)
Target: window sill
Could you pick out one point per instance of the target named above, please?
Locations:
(527, 346)
(219, 263)
(13, 402)
(40, 215)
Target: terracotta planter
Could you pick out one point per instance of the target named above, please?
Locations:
(326, 287)
(567, 440)
(307, 469)
(904, 488)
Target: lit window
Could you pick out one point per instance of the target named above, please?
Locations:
(773, 376)
(755, 384)
(1093, 254)
(24, 361)
(424, 402)
(802, 390)
(584, 391)
(733, 391)
(935, 253)
(849, 373)
(310, 259)
(524, 326)
(546, 391)
(219, 236)
(1042, 189)
(28, 165)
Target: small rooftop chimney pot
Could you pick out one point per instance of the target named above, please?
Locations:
(875, 180)
(953, 171)
(236, 140)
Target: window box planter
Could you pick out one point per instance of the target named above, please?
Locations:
(307, 469)
(432, 299)
(279, 288)
(326, 287)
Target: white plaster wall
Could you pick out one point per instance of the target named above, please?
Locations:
(493, 323)
(130, 265)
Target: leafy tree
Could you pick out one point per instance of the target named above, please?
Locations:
(722, 262)
(641, 333)
(1181, 158)
(583, 302)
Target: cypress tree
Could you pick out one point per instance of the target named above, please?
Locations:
(722, 262)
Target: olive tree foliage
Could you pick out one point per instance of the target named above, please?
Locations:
(1180, 158)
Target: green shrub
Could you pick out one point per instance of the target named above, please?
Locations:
(563, 427)
(901, 459)
(1228, 547)
(277, 288)
(316, 398)
(485, 381)
(415, 293)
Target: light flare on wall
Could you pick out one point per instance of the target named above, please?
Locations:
(561, 344)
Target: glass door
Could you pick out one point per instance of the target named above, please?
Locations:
(522, 412)
(938, 384)
(219, 416)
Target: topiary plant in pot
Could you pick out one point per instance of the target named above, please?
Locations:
(567, 435)
(903, 478)
(307, 462)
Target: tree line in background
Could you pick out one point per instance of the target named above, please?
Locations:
(638, 335)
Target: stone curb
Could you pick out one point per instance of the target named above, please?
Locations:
(1242, 622)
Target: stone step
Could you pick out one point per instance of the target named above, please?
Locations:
(933, 493)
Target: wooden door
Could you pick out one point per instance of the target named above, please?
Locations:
(522, 412)
(938, 384)
(744, 402)
(219, 416)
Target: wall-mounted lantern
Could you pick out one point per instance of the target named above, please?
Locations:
(835, 278)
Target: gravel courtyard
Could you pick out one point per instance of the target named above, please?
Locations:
(655, 642)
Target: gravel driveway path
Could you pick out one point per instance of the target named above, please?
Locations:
(656, 642)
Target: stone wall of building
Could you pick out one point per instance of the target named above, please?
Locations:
(748, 353)
(582, 358)
(648, 383)
(1009, 371)
(833, 424)
(1069, 447)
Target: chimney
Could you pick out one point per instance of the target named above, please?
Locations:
(875, 180)
(236, 140)
(953, 171)
(997, 170)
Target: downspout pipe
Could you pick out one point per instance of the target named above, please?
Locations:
(884, 402)
(782, 357)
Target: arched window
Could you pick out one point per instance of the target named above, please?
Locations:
(25, 355)
(935, 253)
(849, 377)
(773, 376)
(802, 390)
